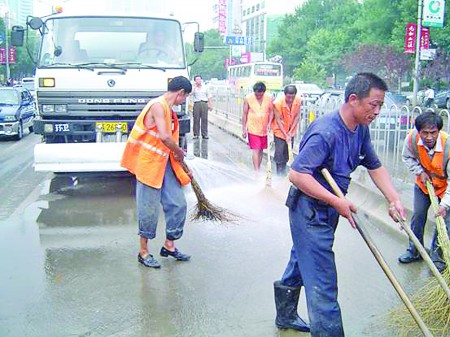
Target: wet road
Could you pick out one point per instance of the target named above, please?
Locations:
(68, 249)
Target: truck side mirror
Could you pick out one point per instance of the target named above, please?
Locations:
(199, 42)
(17, 33)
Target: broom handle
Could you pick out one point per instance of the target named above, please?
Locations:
(425, 256)
(290, 154)
(376, 253)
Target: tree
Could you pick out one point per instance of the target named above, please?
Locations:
(310, 71)
(382, 60)
(211, 63)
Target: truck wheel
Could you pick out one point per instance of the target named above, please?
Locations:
(31, 129)
(19, 135)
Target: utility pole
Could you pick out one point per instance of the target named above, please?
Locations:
(417, 62)
(7, 47)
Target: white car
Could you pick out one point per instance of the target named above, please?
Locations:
(309, 92)
(28, 83)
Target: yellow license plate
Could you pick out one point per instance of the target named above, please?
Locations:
(110, 127)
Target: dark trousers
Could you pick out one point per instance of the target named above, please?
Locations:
(281, 155)
(201, 118)
(422, 204)
(312, 264)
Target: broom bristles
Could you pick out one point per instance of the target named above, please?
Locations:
(431, 300)
(205, 210)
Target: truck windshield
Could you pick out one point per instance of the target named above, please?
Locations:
(103, 41)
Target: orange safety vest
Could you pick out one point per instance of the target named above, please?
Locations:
(287, 115)
(145, 154)
(436, 167)
(258, 114)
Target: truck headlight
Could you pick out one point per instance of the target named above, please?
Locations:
(48, 108)
(60, 108)
(54, 108)
(10, 118)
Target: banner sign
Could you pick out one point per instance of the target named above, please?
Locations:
(222, 17)
(410, 38)
(433, 13)
(11, 55)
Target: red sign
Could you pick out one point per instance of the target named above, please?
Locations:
(246, 58)
(425, 38)
(410, 38)
(222, 17)
(11, 55)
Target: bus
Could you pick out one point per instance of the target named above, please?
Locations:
(242, 77)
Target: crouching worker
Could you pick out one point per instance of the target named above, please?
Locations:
(426, 154)
(340, 142)
(152, 154)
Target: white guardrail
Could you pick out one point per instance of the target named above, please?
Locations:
(388, 131)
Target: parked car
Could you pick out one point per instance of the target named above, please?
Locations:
(17, 111)
(391, 98)
(28, 83)
(442, 99)
(309, 92)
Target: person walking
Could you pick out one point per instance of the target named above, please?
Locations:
(429, 96)
(284, 125)
(202, 104)
(256, 118)
(152, 154)
(426, 154)
(340, 142)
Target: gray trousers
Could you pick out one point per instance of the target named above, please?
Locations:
(201, 118)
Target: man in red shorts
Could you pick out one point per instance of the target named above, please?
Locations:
(256, 119)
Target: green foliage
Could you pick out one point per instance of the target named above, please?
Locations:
(321, 32)
(210, 63)
(310, 71)
(24, 66)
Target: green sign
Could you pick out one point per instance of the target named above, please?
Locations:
(433, 13)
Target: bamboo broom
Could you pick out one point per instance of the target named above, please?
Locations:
(432, 299)
(376, 253)
(290, 153)
(205, 210)
(270, 140)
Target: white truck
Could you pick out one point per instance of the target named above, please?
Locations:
(94, 74)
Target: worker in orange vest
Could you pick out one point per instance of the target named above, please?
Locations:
(256, 118)
(284, 125)
(426, 154)
(153, 155)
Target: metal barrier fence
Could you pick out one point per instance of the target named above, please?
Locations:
(388, 131)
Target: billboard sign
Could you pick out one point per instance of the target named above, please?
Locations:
(433, 13)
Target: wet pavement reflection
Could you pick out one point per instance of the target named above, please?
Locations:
(69, 268)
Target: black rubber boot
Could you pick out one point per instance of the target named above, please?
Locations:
(286, 301)
(281, 169)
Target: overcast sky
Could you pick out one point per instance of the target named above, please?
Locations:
(184, 10)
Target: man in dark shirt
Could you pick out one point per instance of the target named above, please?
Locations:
(340, 142)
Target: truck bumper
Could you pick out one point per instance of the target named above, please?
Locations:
(78, 157)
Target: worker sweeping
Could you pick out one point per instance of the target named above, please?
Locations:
(339, 141)
(426, 154)
(284, 126)
(153, 155)
(257, 116)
